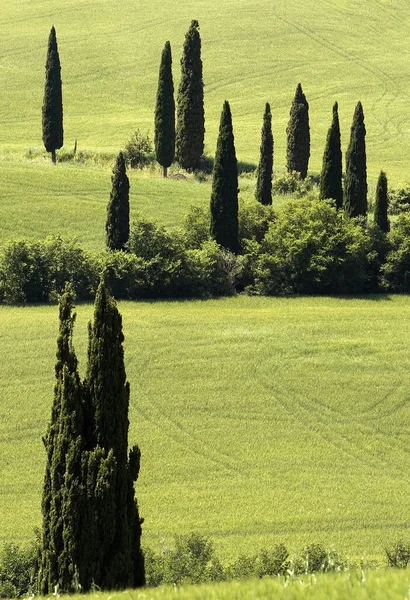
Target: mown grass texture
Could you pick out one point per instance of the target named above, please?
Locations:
(253, 51)
(260, 420)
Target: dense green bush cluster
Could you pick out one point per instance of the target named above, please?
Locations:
(308, 247)
(17, 570)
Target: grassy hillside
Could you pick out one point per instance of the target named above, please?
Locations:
(261, 420)
(253, 51)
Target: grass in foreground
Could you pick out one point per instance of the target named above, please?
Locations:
(260, 420)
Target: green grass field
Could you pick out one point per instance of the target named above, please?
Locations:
(261, 420)
(359, 585)
(253, 51)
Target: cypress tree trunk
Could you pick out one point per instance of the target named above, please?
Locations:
(53, 135)
(165, 113)
(224, 197)
(355, 192)
(331, 176)
(381, 204)
(190, 103)
(118, 210)
(263, 191)
(298, 135)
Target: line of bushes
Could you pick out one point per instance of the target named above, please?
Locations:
(308, 247)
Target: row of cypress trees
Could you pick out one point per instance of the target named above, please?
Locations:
(91, 533)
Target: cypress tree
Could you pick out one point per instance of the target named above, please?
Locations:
(53, 135)
(263, 191)
(121, 559)
(331, 176)
(381, 204)
(355, 192)
(165, 112)
(118, 209)
(298, 134)
(190, 129)
(224, 197)
(63, 437)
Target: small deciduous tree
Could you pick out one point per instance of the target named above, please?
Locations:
(190, 129)
(224, 197)
(118, 209)
(331, 176)
(165, 112)
(53, 135)
(263, 191)
(381, 204)
(298, 135)
(355, 192)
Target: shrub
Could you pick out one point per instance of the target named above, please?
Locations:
(196, 227)
(139, 151)
(24, 273)
(254, 220)
(214, 271)
(291, 183)
(124, 274)
(399, 199)
(398, 556)
(315, 558)
(396, 269)
(17, 570)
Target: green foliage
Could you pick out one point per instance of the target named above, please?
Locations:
(298, 135)
(291, 183)
(254, 220)
(396, 268)
(53, 99)
(381, 204)
(399, 199)
(398, 556)
(224, 197)
(310, 249)
(118, 210)
(331, 176)
(190, 128)
(165, 112)
(355, 191)
(196, 227)
(17, 570)
(263, 192)
(138, 150)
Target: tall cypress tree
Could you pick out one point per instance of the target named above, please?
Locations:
(298, 135)
(64, 434)
(122, 561)
(224, 197)
(355, 192)
(53, 135)
(91, 525)
(263, 191)
(165, 112)
(381, 204)
(331, 176)
(190, 130)
(118, 210)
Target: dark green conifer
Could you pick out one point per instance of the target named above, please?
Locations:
(63, 437)
(224, 197)
(331, 176)
(298, 135)
(190, 129)
(355, 192)
(381, 204)
(165, 112)
(263, 191)
(53, 135)
(118, 209)
(120, 552)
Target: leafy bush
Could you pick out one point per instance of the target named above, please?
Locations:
(398, 556)
(267, 563)
(399, 199)
(315, 558)
(139, 151)
(197, 227)
(24, 273)
(311, 248)
(254, 219)
(396, 268)
(291, 183)
(17, 570)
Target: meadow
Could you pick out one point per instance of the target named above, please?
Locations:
(261, 420)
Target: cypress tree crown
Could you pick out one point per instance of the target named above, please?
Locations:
(53, 135)
(263, 191)
(224, 197)
(118, 209)
(331, 176)
(298, 135)
(355, 192)
(381, 205)
(165, 112)
(190, 130)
